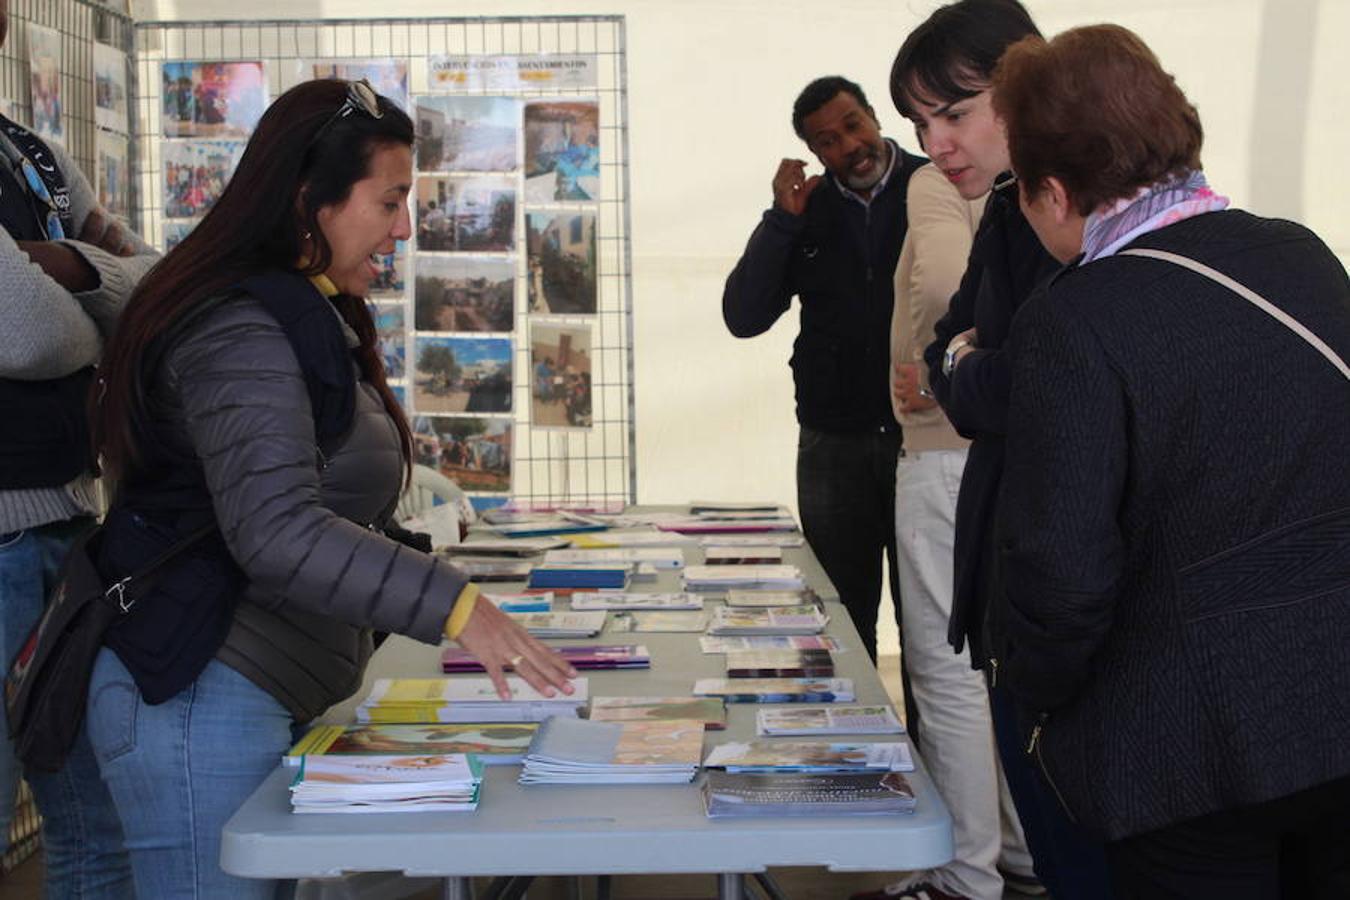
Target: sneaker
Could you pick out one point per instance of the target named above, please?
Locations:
(922, 890)
(1027, 885)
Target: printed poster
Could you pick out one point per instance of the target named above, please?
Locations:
(110, 88)
(486, 74)
(212, 99)
(474, 452)
(465, 293)
(560, 375)
(462, 374)
(560, 262)
(562, 151)
(467, 134)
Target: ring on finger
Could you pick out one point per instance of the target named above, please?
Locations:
(514, 662)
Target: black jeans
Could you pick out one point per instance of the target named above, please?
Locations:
(846, 496)
(1293, 848)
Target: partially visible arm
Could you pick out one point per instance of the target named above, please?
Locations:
(1063, 480)
(760, 289)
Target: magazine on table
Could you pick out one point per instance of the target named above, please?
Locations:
(779, 664)
(585, 657)
(492, 568)
(811, 756)
(822, 720)
(596, 576)
(737, 794)
(494, 743)
(582, 751)
(784, 620)
(562, 624)
(777, 690)
(764, 599)
(724, 578)
(742, 555)
(763, 539)
(430, 700)
(660, 620)
(511, 547)
(521, 603)
(711, 643)
(711, 711)
(362, 784)
(642, 537)
(634, 600)
(657, 557)
(727, 525)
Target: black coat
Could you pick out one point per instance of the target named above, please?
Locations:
(1175, 526)
(1006, 263)
(839, 257)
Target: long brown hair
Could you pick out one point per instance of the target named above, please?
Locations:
(300, 159)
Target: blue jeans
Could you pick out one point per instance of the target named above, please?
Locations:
(81, 834)
(178, 770)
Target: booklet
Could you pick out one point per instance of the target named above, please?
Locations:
(492, 568)
(494, 743)
(581, 576)
(359, 784)
(739, 597)
(727, 524)
(658, 557)
(777, 690)
(784, 620)
(643, 537)
(711, 711)
(562, 624)
(633, 600)
(733, 794)
(586, 657)
(768, 539)
(810, 756)
(779, 663)
(541, 602)
(692, 620)
(510, 547)
(721, 644)
(573, 751)
(429, 700)
(772, 721)
(724, 578)
(743, 555)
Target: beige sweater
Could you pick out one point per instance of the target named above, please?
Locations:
(941, 228)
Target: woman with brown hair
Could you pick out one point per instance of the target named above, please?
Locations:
(243, 397)
(1175, 518)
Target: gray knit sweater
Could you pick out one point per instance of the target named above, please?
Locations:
(50, 332)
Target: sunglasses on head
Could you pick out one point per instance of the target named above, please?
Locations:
(37, 188)
(361, 97)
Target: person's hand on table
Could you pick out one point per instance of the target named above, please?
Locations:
(497, 641)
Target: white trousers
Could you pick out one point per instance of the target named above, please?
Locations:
(956, 733)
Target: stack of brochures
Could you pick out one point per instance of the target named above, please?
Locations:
(581, 751)
(507, 547)
(538, 524)
(520, 603)
(777, 690)
(492, 568)
(772, 620)
(363, 784)
(742, 555)
(631, 600)
(711, 643)
(711, 711)
(733, 794)
(652, 620)
(739, 597)
(640, 537)
(581, 577)
(798, 720)
(775, 539)
(495, 743)
(562, 624)
(725, 578)
(427, 700)
(779, 663)
(810, 756)
(657, 557)
(588, 657)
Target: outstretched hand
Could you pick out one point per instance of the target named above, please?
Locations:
(497, 641)
(791, 187)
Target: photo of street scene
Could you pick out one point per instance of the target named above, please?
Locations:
(562, 151)
(467, 134)
(470, 213)
(389, 328)
(212, 99)
(110, 88)
(475, 452)
(462, 374)
(464, 293)
(560, 258)
(560, 375)
(195, 173)
(389, 280)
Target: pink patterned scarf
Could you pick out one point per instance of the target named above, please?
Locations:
(1155, 206)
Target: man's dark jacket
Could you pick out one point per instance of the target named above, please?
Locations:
(839, 257)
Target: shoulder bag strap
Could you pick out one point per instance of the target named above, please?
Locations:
(126, 591)
(1249, 295)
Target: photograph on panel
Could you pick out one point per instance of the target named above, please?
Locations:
(110, 88)
(388, 76)
(465, 293)
(389, 279)
(391, 333)
(560, 262)
(467, 134)
(473, 452)
(112, 173)
(560, 375)
(466, 213)
(174, 232)
(44, 67)
(562, 151)
(462, 374)
(195, 174)
(401, 395)
(212, 99)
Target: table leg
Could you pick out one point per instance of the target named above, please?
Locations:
(457, 888)
(730, 886)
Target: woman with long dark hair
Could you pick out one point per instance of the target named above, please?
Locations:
(244, 390)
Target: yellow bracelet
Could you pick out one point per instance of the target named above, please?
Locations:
(459, 616)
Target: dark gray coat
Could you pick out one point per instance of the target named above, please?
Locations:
(1175, 527)
(318, 578)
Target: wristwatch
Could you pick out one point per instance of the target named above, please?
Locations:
(949, 358)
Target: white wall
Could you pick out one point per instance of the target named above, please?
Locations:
(711, 86)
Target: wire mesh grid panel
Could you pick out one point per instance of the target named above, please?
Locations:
(47, 83)
(506, 316)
